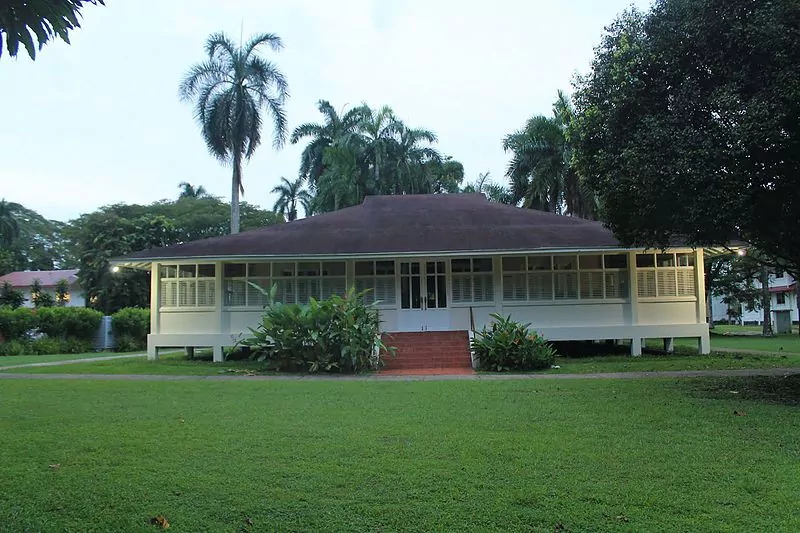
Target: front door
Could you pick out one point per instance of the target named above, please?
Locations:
(423, 296)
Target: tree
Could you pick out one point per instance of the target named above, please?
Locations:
(11, 297)
(541, 171)
(334, 129)
(23, 20)
(9, 227)
(62, 293)
(687, 125)
(289, 193)
(190, 191)
(494, 192)
(377, 131)
(230, 89)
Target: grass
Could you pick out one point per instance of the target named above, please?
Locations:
(649, 455)
(25, 359)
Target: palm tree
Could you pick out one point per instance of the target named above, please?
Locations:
(493, 191)
(9, 227)
(378, 131)
(411, 160)
(190, 191)
(541, 172)
(289, 193)
(230, 89)
(334, 128)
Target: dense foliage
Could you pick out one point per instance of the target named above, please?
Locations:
(28, 241)
(339, 334)
(541, 171)
(11, 297)
(369, 151)
(509, 345)
(688, 125)
(23, 21)
(130, 327)
(49, 330)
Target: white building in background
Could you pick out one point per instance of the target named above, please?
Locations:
(434, 263)
(783, 293)
(48, 279)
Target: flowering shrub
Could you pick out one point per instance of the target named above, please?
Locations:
(508, 345)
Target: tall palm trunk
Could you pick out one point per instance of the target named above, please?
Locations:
(235, 189)
(766, 302)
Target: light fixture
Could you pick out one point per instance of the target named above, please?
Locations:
(115, 269)
(741, 252)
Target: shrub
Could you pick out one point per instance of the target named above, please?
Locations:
(130, 326)
(46, 346)
(509, 345)
(69, 322)
(14, 347)
(16, 324)
(340, 334)
(11, 297)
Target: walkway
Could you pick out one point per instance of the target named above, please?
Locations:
(384, 377)
(73, 361)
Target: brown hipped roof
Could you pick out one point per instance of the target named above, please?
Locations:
(47, 278)
(447, 223)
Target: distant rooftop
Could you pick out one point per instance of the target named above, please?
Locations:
(47, 278)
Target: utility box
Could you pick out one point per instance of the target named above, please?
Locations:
(783, 322)
(104, 339)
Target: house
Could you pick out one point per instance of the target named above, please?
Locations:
(432, 263)
(48, 279)
(783, 304)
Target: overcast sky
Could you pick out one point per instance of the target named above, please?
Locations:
(99, 121)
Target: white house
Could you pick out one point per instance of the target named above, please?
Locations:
(434, 263)
(48, 279)
(783, 294)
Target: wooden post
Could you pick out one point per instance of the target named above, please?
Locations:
(633, 284)
(155, 305)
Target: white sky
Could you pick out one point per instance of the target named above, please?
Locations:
(99, 122)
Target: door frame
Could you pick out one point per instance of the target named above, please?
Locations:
(423, 318)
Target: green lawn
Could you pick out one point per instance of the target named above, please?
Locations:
(25, 359)
(650, 455)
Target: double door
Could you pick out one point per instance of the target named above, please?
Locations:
(424, 296)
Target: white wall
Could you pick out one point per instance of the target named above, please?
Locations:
(76, 296)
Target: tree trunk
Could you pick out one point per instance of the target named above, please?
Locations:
(797, 301)
(766, 303)
(235, 187)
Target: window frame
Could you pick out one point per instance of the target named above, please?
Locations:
(676, 267)
(177, 279)
(374, 277)
(472, 275)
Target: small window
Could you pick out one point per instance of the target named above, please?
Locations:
(616, 261)
(333, 269)
(206, 271)
(539, 263)
(170, 271)
(645, 260)
(187, 271)
(666, 260)
(686, 260)
(460, 265)
(780, 298)
(514, 264)
(565, 262)
(591, 262)
(308, 269)
(235, 270)
(384, 268)
(284, 270)
(259, 270)
(365, 268)
(482, 265)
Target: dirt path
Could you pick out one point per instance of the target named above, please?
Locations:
(73, 361)
(384, 377)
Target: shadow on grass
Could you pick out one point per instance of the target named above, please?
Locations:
(779, 390)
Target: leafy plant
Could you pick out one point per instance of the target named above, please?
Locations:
(130, 327)
(13, 347)
(510, 345)
(69, 322)
(16, 324)
(43, 299)
(339, 334)
(62, 293)
(11, 297)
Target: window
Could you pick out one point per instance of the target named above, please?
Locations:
(472, 280)
(665, 275)
(187, 286)
(376, 277)
(294, 282)
(780, 298)
(565, 277)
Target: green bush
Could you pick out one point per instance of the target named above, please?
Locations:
(13, 347)
(130, 327)
(16, 324)
(340, 334)
(69, 322)
(509, 345)
(45, 346)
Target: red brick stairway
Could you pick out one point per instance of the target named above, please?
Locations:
(430, 352)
